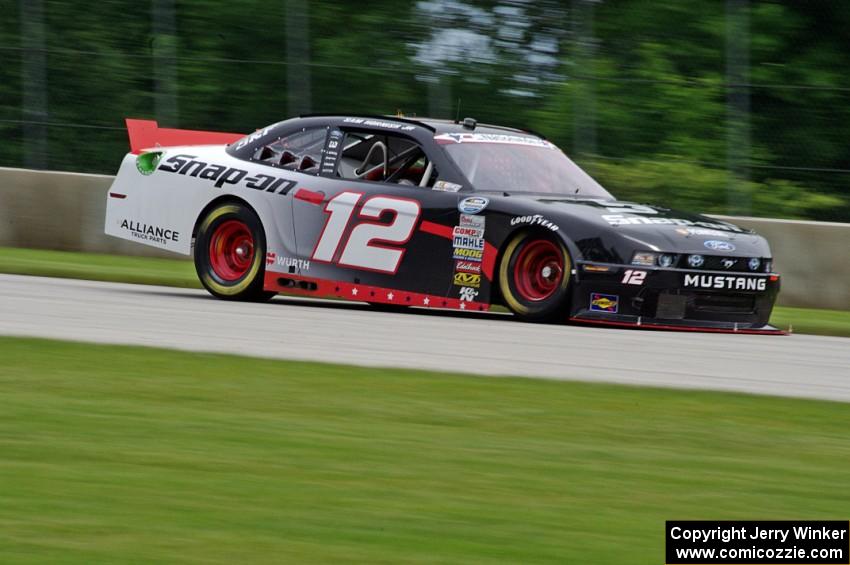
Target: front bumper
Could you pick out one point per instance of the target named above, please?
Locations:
(671, 298)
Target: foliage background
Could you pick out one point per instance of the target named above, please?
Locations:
(723, 106)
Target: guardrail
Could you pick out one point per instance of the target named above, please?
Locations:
(53, 210)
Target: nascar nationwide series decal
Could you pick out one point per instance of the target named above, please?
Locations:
(221, 175)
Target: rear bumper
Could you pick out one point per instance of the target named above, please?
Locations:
(680, 299)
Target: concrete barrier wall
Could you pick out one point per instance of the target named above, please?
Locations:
(51, 210)
(65, 211)
(812, 257)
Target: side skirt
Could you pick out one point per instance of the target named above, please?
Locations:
(295, 285)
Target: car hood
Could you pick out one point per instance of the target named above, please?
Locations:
(643, 226)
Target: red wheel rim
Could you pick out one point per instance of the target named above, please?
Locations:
(231, 250)
(538, 270)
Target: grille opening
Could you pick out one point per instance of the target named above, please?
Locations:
(730, 304)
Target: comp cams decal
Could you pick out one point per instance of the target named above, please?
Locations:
(221, 175)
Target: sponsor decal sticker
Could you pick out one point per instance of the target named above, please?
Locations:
(300, 264)
(467, 294)
(717, 245)
(469, 254)
(604, 302)
(220, 175)
(473, 204)
(146, 162)
(270, 257)
(492, 138)
(148, 232)
(728, 263)
(467, 242)
(536, 220)
(472, 221)
(379, 124)
(466, 231)
(446, 186)
(467, 279)
(467, 267)
(626, 220)
(723, 282)
(688, 232)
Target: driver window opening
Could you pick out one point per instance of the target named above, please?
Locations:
(385, 158)
(300, 151)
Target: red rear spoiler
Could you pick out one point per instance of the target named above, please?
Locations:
(146, 134)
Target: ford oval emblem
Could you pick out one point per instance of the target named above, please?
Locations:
(716, 245)
(473, 204)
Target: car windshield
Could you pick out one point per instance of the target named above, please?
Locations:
(513, 163)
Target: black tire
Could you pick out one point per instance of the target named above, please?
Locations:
(534, 277)
(230, 251)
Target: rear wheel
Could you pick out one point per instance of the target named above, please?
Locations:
(534, 277)
(230, 248)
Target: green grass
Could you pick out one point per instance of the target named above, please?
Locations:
(181, 272)
(98, 267)
(812, 321)
(120, 454)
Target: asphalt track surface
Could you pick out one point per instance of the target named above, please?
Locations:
(486, 344)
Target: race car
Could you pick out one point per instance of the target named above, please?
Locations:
(431, 214)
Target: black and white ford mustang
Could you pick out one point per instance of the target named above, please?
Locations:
(433, 214)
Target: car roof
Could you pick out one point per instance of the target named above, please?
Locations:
(436, 125)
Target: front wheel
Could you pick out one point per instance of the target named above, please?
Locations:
(230, 247)
(534, 277)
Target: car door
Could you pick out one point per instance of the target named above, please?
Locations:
(373, 217)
